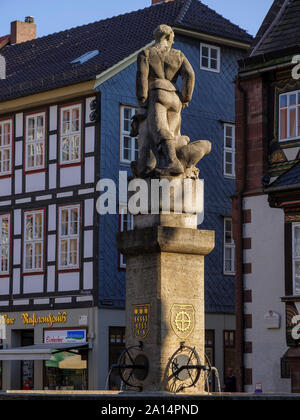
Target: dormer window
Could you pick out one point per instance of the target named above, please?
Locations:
(289, 116)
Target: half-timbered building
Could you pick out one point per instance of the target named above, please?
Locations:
(266, 205)
(66, 104)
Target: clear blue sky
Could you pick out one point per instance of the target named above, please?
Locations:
(57, 15)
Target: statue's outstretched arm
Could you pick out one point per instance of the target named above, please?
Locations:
(188, 81)
(142, 84)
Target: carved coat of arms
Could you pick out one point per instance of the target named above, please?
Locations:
(141, 321)
(183, 320)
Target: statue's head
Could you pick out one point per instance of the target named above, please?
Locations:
(164, 32)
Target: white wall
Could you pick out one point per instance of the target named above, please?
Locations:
(267, 283)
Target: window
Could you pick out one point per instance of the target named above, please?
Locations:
(229, 150)
(5, 147)
(69, 231)
(126, 224)
(129, 145)
(33, 240)
(289, 115)
(70, 134)
(210, 58)
(229, 247)
(35, 142)
(229, 352)
(296, 258)
(4, 244)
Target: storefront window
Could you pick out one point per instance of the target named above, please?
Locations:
(116, 346)
(67, 371)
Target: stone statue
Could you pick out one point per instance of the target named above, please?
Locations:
(163, 151)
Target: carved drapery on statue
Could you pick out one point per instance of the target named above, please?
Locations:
(163, 150)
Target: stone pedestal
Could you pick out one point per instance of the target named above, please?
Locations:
(165, 292)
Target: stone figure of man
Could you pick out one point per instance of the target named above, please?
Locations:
(160, 102)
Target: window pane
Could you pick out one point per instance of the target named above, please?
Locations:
(4, 259)
(292, 123)
(283, 123)
(75, 148)
(283, 101)
(214, 64)
(66, 121)
(292, 99)
(204, 62)
(40, 127)
(297, 241)
(6, 135)
(65, 149)
(38, 255)
(214, 53)
(5, 232)
(28, 256)
(64, 222)
(39, 154)
(29, 227)
(75, 119)
(30, 128)
(228, 157)
(297, 277)
(74, 222)
(64, 253)
(205, 52)
(228, 142)
(73, 252)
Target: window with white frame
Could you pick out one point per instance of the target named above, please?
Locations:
(210, 58)
(35, 141)
(229, 247)
(129, 145)
(126, 224)
(33, 241)
(229, 150)
(5, 147)
(69, 237)
(289, 115)
(4, 243)
(296, 258)
(70, 134)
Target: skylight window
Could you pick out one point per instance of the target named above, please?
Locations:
(85, 57)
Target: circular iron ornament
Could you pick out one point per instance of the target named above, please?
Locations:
(142, 369)
(184, 369)
(178, 363)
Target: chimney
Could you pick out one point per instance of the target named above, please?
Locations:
(160, 1)
(22, 31)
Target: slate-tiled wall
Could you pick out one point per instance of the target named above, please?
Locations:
(213, 103)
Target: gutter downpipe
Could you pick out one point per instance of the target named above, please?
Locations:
(238, 197)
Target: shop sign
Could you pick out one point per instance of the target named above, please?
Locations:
(6, 320)
(50, 320)
(65, 336)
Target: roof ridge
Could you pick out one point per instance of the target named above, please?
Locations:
(274, 22)
(183, 11)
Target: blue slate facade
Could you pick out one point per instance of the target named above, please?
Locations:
(212, 105)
